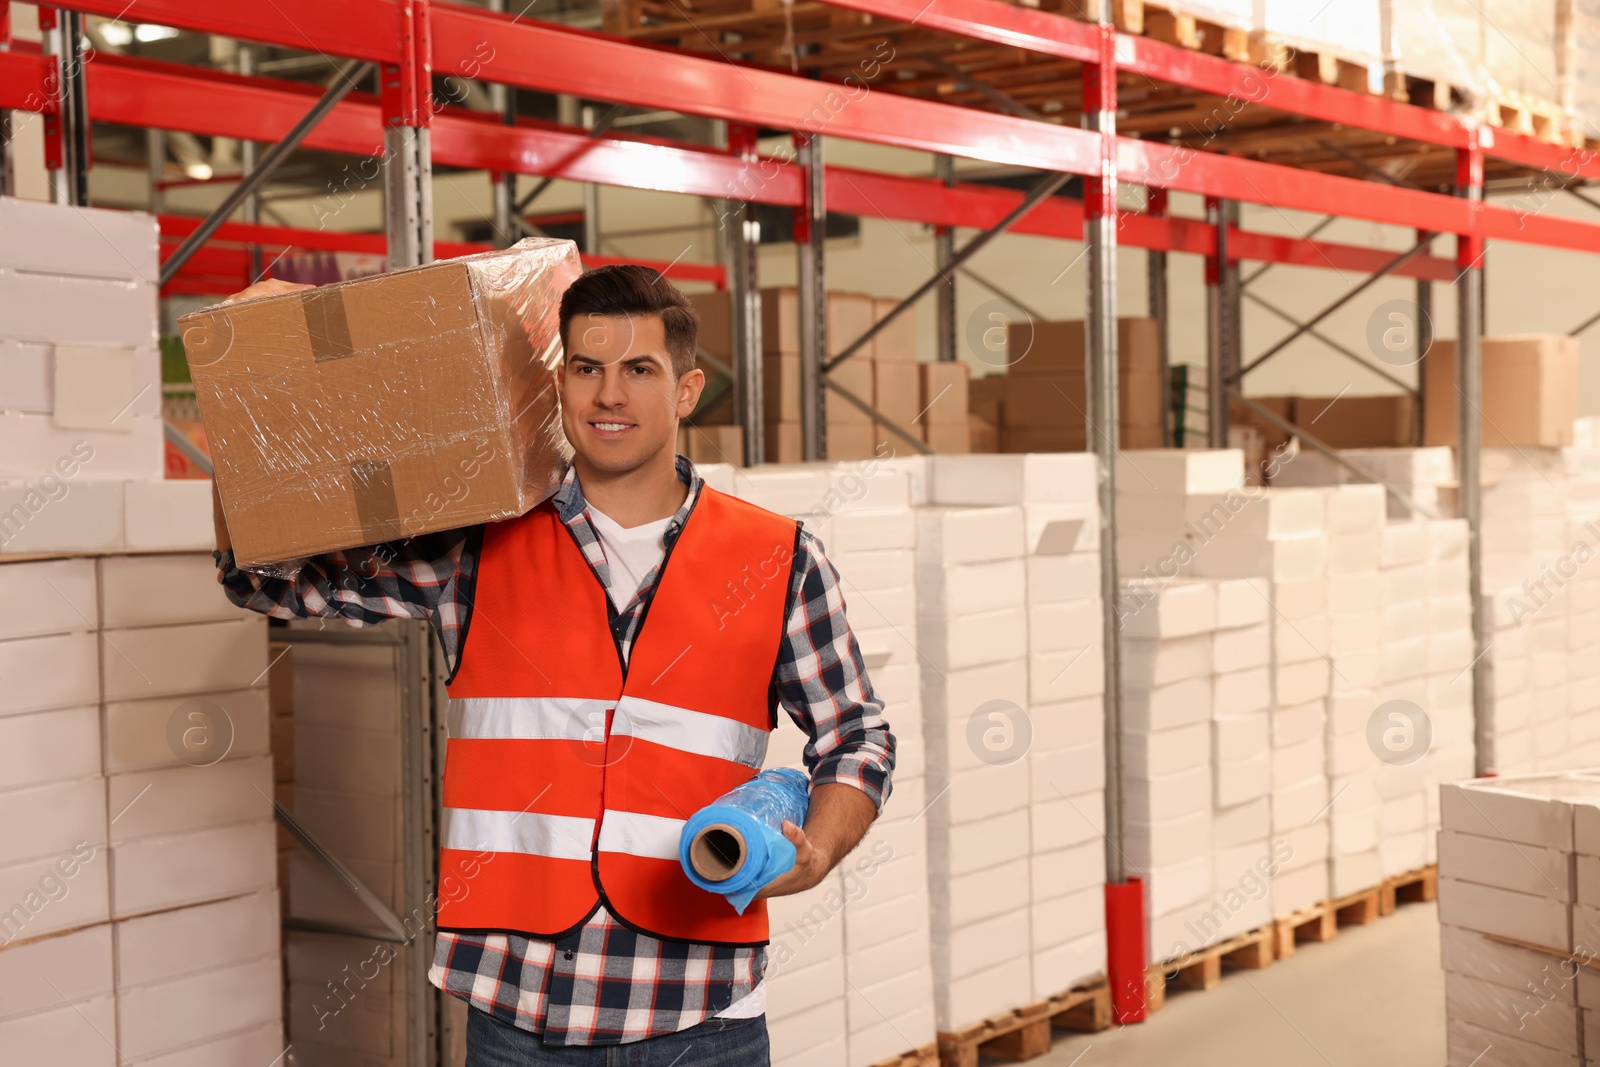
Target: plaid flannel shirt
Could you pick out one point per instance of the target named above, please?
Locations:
(604, 984)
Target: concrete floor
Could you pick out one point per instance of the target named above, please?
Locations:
(1374, 995)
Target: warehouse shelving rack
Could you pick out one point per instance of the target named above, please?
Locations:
(413, 41)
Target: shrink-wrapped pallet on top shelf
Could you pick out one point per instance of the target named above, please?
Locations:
(1064, 754)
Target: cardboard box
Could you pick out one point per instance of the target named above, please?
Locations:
(948, 437)
(385, 407)
(986, 396)
(1530, 391)
(712, 444)
(1360, 421)
(1048, 347)
(1272, 438)
(945, 392)
(897, 393)
(896, 342)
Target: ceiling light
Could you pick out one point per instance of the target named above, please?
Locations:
(116, 34)
(200, 172)
(149, 31)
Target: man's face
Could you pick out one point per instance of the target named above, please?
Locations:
(619, 403)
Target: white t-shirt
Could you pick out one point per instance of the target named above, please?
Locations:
(630, 554)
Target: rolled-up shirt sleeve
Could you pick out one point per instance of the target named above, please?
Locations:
(822, 682)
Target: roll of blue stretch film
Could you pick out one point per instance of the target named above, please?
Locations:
(735, 845)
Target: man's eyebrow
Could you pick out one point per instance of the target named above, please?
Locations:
(643, 357)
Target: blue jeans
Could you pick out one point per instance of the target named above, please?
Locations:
(713, 1043)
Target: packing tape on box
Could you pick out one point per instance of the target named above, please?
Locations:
(377, 507)
(735, 845)
(327, 327)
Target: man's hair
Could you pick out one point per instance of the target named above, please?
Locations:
(626, 289)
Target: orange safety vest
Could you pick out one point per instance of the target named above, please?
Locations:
(568, 777)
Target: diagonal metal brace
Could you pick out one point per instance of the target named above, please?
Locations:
(338, 88)
(1306, 327)
(389, 919)
(603, 124)
(995, 96)
(1331, 343)
(1329, 451)
(1041, 191)
(896, 428)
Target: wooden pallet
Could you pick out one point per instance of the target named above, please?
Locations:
(1418, 886)
(1025, 1033)
(1251, 951)
(926, 1056)
(1321, 922)
(1527, 115)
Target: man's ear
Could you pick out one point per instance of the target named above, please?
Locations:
(689, 388)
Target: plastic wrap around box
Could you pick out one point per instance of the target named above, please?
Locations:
(385, 407)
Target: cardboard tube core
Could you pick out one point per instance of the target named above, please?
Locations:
(717, 852)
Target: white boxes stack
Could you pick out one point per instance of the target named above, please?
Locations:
(1064, 762)
(972, 629)
(1241, 755)
(138, 781)
(81, 448)
(1451, 750)
(1519, 861)
(1355, 521)
(1167, 756)
(1278, 540)
(1402, 686)
(849, 970)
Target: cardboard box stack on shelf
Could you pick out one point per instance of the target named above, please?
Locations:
(1519, 894)
(1043, 396)
(1062, 730)
(137, 772)
(884, 373)
(81, 450)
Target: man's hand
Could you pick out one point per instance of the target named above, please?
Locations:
(267, 287)
(838, 817)
(811, 866)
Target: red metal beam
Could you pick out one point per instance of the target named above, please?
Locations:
(340, 29)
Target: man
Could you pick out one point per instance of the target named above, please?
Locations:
(632, 639)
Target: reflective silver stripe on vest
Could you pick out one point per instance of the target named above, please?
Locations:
(691, 731)
(536, 718)
(650, 836)
(563, 837)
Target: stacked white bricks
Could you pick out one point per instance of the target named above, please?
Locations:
(1582, 468)
(1403, 584)
(1519, 861)
(1451, 750)
(1241, 754)
(849, 973)
(1425, 475)
(81, 448)
(1167, 674)
(150, 854)
(1355, 521)
(1065, 760)
(1278, 540)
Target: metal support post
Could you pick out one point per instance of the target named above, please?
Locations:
(1125, 904)
(155, 154)
(1221, 304)
(8, 177)
(591, 198)
(408, 196)
(1469, 387)
(1157, 306)
(342, 83)
(251, 210)
(503, 184)
(740, 237)
(813, 294)
(944, 250)
(1424, 344)
(66, 129)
